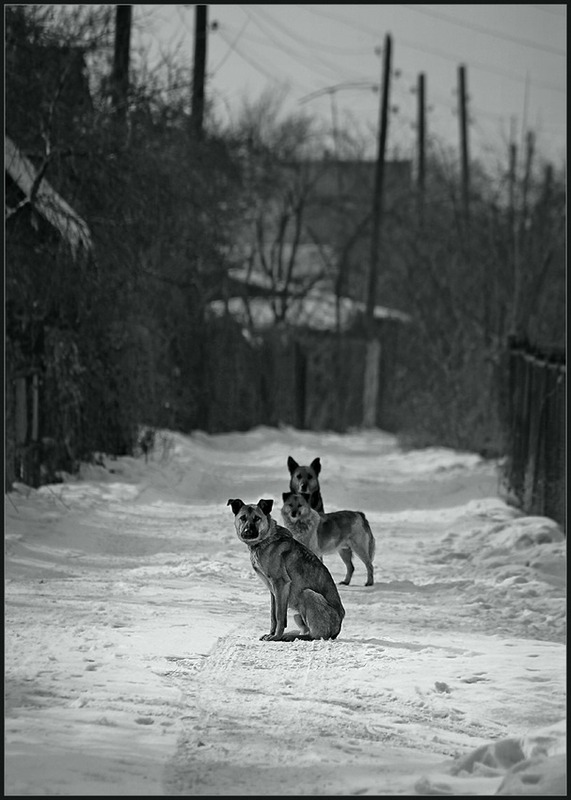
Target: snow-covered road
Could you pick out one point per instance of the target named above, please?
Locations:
(132, 620)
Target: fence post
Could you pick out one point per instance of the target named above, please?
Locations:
(300, 384)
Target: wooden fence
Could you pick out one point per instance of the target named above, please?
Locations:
(535, 469)
(308, 380)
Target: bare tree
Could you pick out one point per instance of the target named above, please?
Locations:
(308, 211)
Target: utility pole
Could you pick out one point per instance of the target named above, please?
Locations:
(464, 142)
(517, 230)
(513, 238)
(334, 123)
(547, 183)
(120, 74)
(334, 131)
(529, 153)
(372, 364)
(421, 146)
(517, 324)
(199, 70)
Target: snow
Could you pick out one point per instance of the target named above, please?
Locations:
(133, 664)
(315, 309)
(313, 305)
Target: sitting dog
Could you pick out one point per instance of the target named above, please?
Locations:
(343, 532)
(296, 578)
(305, 480)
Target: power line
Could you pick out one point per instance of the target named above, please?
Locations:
(336, 18)
(487, 31)
(300, 39)
(262, 39)
(550, 10)
(260, 69)
(337, 87)
(248, 59)
(313, 63)
(479, 66)
(287, 50)
(274, 32)
(439, 53)
(231, 47)
(269, 34)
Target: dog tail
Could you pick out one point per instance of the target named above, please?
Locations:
(372, 545)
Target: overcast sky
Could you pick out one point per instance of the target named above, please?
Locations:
(515, 59)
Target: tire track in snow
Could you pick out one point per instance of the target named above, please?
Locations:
(249, 721)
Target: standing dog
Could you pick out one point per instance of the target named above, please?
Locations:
(340, 531)
(296, 578)
(305, 480)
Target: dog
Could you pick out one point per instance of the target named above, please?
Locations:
(295, 576)
(305, 480)
(342, 532)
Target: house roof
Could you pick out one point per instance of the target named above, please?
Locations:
(315, 310)
(309, 269)
(47, 201)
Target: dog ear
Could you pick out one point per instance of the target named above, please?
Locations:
(286, 495)
(266, 506)
(291, 464)
(316, 466)
(307, 497)
(236, 505)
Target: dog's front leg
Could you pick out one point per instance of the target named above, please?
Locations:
(280, 597)
(273, 619)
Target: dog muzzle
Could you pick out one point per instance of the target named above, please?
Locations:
(249, 532)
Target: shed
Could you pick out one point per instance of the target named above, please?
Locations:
(35, 213)
(37, 192)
